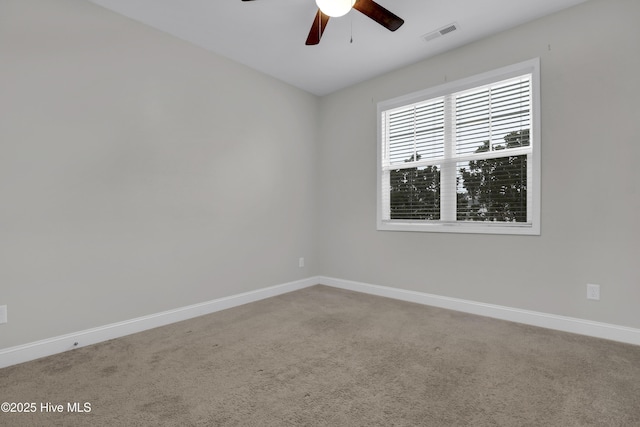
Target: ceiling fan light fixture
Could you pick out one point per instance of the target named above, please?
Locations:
(335, 8)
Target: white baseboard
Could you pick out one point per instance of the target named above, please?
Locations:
(534, 318)
(48, 347)
(59, 344)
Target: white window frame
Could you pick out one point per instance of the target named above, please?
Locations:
(532, 226)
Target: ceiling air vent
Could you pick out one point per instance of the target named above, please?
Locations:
(439, 32)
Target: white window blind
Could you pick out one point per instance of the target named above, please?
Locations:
(462, 157)
(417, 130)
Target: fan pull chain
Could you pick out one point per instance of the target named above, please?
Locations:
(351, 41)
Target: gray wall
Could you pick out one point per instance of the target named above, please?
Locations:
(590, 65)
(139, 173)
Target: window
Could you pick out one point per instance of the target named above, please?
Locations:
(464, 156)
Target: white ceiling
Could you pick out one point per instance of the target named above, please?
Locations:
(269, 35)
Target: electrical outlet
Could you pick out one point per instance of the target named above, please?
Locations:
(593, 291)
(301, 262)
(3, 314)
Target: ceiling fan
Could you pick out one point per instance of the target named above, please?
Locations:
(335, 8)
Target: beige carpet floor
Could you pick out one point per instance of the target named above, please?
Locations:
(328, 357)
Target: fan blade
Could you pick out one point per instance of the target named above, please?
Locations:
(319, 24)
(379, 14)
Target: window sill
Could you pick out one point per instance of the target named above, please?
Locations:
(460, 227)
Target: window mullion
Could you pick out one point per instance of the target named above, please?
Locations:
(448, 167)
